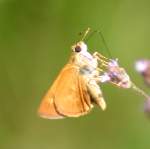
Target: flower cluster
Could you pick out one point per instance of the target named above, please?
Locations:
(118, 76)
(143, 67)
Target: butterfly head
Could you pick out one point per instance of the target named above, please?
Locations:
(79, 47)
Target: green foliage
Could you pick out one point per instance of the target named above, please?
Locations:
(35, 40)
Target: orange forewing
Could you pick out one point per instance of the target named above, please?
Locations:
(68, 95)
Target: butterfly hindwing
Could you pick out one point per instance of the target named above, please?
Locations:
(68, 95)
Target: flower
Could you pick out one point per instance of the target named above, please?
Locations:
(143, 67)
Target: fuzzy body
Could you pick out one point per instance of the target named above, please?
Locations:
(88, 65)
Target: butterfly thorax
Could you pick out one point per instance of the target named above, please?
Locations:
(86, 63)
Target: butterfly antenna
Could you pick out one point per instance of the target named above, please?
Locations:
(91, 35)
(85, 34)
(105, 44)
(103, 40)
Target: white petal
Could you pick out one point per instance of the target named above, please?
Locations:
(140, 66)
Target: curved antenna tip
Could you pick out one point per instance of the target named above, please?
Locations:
(85, 33)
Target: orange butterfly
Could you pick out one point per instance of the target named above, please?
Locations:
(76, 87)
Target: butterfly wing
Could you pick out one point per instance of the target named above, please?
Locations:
(68, 95)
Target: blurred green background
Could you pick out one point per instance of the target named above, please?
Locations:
(35, 41)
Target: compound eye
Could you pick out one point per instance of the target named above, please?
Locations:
(77, 49)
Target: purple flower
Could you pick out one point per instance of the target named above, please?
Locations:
(143, 67)
(118, 75)
(147, 107)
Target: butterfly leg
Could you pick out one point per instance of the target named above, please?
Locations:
(96, 93)
(102, 59)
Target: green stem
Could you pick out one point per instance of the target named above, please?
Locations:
(140, 91)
